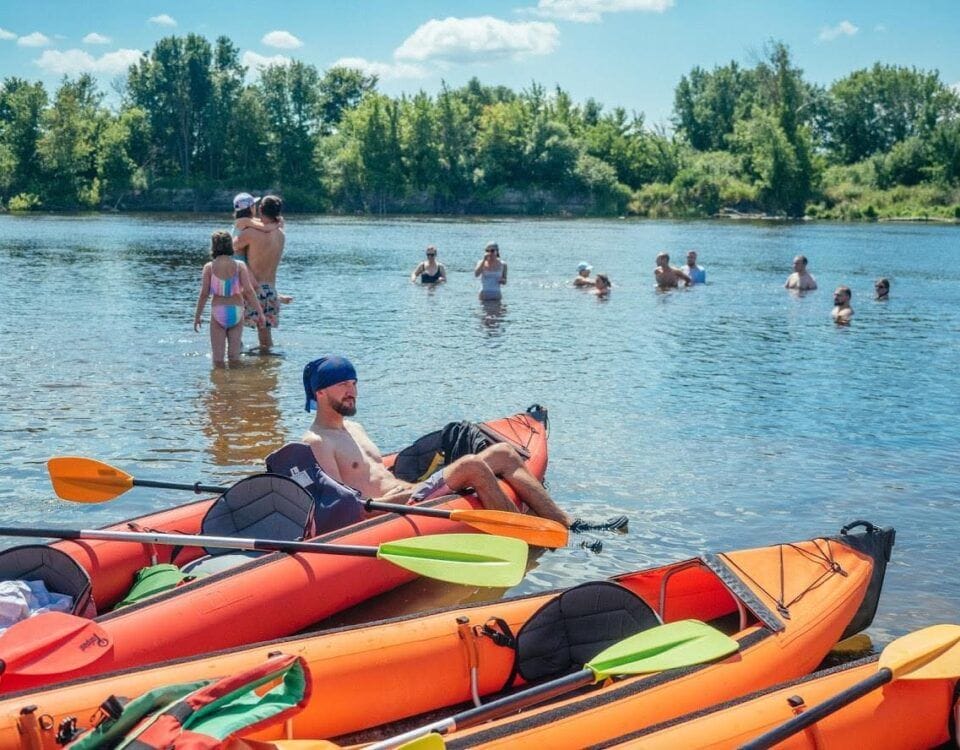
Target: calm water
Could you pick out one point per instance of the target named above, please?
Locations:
(724, 416)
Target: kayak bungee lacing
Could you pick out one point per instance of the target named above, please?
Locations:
(823, 555)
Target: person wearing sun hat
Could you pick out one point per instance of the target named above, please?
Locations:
(582, 278)
(344, 451)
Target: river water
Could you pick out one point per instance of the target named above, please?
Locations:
(729, 415)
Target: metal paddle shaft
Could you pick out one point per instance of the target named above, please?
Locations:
(196, 487)
(820, 711)
(191, 540)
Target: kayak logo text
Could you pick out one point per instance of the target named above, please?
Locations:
(94, 640)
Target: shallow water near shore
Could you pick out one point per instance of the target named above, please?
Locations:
(729, 415)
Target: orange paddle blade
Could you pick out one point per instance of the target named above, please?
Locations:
(52, 643)
(87, 480)
(541, 532)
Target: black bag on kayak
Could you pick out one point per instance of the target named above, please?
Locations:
(439, 448)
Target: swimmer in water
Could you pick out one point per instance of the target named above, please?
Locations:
(603, 285)
(668, 277)
(842, 312)
(582, 278)
(882, 288)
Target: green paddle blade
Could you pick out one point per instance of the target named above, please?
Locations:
(470, 559)
(670, 646)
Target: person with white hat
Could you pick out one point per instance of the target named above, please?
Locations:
(582, 278)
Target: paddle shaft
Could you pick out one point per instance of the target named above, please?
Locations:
(195, 487)
(820, 711)
(407, 509)
(188, 540)
(500, 707)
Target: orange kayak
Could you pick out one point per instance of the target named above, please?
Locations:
(784, 604)
(904, 715)
(268, 597)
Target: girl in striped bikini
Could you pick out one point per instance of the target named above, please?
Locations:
(229, 282)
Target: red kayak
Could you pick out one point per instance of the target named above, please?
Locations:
(267, 597)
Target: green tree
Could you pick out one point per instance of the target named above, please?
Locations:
(418, 135)
(21, 109)
(291, 101)
(342, 89)
(67, 147)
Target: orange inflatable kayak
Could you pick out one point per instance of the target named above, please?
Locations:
(904, 715)
(267, 597)
(785, 605)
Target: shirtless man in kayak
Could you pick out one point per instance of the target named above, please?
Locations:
(263, 250)
(345, 452)
(666, 276)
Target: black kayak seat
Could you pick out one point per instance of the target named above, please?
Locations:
(59, 572)
(262, 506)
(575, 626)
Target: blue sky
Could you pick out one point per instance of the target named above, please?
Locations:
(628, 53)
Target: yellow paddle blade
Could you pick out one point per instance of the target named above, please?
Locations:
(86, 480)
(541, 532)
(929, 654)
(432, 741)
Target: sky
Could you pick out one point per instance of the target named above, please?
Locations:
(626, 53)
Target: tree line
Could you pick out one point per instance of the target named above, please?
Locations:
(880, 141)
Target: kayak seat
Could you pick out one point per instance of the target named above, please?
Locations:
(59, 572)
(572, 628)
(263, 506)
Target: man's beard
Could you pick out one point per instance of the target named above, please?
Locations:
(343, 410)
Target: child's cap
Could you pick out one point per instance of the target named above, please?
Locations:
(243, 200)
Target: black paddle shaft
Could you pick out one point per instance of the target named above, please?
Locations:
(820, 711)
(524, 698)
(195, 487)
(402, 509)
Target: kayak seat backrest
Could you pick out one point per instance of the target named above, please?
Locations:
(263, 506)
(572, 628)
(59, 573)
(335, 505)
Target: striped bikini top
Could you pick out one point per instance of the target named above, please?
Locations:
(225, 287)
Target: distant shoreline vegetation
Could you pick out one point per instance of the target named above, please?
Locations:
(882, 143)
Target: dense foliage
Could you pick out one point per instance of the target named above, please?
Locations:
(879, 142)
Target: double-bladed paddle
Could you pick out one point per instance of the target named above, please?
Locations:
(929, 654)
(86, 480)
(670, 646)
(470, 559)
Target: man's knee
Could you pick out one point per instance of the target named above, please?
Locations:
(466, 471)
(500, 457)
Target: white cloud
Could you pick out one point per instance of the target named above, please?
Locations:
(254, 61)
(478, 39)
(591, 11)
(281, 40)
(94, 38)
(383, 71)
(75, 61)
(162, 20)
(844, 28)
(36, 39)
(4, 34)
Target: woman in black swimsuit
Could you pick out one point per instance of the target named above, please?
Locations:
(429, 271)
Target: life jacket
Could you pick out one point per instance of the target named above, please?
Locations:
(202, 715)
(335, 505)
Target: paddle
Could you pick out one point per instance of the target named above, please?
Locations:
(677, 644)
(470, 559)
(75, 641)
(86, 480)
(929, 654)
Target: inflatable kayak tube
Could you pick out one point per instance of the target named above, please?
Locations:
(785, 604)
(904, 715)
(273, 595)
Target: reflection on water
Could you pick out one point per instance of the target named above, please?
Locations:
(241, 413)
(725, 416)
(493, 316)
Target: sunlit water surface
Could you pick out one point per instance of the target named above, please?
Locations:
(730, 415)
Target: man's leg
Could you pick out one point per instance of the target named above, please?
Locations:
(472, 471)
(506, 463)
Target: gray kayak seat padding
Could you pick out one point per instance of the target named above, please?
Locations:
(59, 572)
(263, 506)
(209, 565)
(572, 628)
